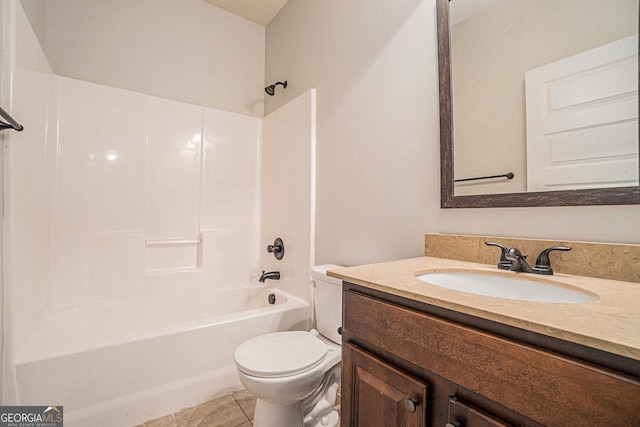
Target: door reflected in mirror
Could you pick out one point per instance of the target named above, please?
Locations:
(545, 92)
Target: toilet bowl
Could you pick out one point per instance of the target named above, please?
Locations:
(281, 370)
(295, 375)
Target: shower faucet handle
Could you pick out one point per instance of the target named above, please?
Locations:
(277, 249)
(274, 248)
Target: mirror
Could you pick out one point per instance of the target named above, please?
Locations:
(515, 122)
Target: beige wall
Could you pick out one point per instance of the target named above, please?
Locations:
(36, 13)
(374, 67)
(373, 64)
(186, 50)
(491, 53)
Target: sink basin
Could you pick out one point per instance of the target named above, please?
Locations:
(515, 288)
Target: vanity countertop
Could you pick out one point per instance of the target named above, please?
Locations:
(610, 323)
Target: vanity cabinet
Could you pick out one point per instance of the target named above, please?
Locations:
(412, 364)
(385, 395)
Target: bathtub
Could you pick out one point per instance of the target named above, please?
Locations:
(121, 363)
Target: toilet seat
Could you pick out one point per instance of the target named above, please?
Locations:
(280, 354)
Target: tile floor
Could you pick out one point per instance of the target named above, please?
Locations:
(232, 410)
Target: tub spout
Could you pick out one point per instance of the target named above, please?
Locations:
(273, 275)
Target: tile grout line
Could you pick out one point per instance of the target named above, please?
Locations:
(243, 411)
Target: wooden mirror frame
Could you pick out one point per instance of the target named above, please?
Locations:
(597, 196)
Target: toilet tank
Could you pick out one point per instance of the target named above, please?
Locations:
(327, 302)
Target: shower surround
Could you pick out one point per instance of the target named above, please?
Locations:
(135, 224)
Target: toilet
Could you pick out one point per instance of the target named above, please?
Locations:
(295, 375)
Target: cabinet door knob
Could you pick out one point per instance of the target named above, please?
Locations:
(450, 424)
(411, 404)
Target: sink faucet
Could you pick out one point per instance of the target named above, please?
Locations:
(512, 259)
(273, 275)
(518, 261)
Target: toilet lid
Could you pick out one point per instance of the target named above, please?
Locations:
(280, 354)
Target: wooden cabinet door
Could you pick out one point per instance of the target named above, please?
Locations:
(376, 394)
(463, 415)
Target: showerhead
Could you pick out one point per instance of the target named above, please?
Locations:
(271, 89)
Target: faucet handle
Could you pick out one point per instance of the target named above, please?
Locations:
(277, 249)
(543, 263)
(504, 263)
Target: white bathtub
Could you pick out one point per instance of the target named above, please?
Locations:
(122, 363)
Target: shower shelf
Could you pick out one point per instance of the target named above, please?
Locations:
(173, 255)
(165, 242)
